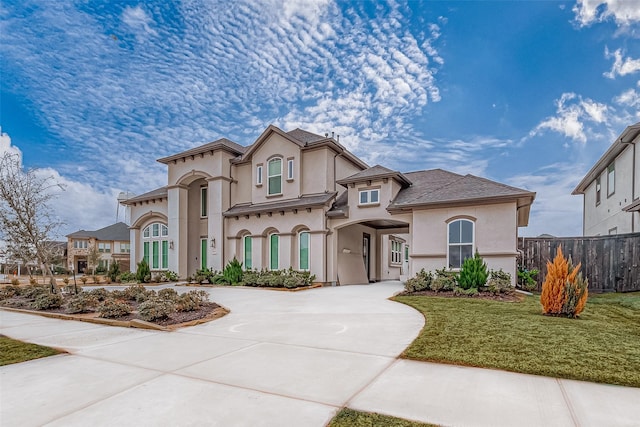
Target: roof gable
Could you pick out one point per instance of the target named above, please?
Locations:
(118, 231)
(375, 172)
(220, 144)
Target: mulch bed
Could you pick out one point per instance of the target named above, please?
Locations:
(482, 295)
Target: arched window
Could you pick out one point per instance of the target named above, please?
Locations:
(274, 246)
(247, 251)
(155, 246)
(303, 250)
(460, 247)
(274, 176)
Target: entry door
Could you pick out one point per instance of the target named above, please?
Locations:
(366, 247)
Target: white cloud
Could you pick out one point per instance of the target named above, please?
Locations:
(555, 211)
(6, 147)
(138, 21)
(573, 115)
(623, 12)
(629, 98)
(621, 66)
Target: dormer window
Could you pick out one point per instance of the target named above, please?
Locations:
(369, 197)
(274, 178)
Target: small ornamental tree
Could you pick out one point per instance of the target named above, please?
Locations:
(143, 273)
(564, 291)
(473, 273)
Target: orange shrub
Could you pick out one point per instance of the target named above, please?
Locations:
(564, 291)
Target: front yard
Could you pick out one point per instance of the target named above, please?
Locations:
(602, 345)
(14, 351)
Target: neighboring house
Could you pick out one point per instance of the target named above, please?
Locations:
(112, 243)
(611, 189)
(300, 200)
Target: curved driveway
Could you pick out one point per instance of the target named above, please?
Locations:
(278, 358)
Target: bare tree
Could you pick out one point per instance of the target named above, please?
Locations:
(93, 257)
(26, 220)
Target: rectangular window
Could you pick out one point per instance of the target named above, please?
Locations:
(80, 244)
(274, 243)
(611, 179)
(598, 191)
(613, 231)
(203, 254)
(396, 252)
(247, 252)
(165, 254)
(290, 169)
(275, 177)
(304, 250)
(145, 252)
(259, 175)
(104, 247)
(369, 197)
(155, 230)
(125, 248)
(203, 202)
(155, 261)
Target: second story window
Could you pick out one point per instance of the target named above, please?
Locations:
(290, 169)
(274, 183)
(259, 175)
(125, 248)
(611, 179)
(369, 197)
(598, 191)
(80, 244)
(203, 202)
(104, 247)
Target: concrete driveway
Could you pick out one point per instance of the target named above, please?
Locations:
(277, 359)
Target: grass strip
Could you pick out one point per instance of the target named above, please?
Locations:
(350, 418)
(14, 351)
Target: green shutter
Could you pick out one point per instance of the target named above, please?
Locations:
(304, 251)
(247, 252)
(146, 252)
(273, 264)
(165, 254)
(156, 252)
(203, 253)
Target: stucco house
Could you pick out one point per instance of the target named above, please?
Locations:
(611, 189)
(112, 243)
(301, 200)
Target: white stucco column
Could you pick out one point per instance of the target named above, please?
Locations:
(177, 211)
(134, 240)
(285, 252)
(331, 254)
(218, 202)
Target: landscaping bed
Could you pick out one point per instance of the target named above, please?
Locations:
(602, 345)
(133, 306)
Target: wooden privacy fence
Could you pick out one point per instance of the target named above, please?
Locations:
(611, 263)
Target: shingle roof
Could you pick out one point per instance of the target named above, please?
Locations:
(153, 194)
(218, 144)
(118, 231)
(441, 187)
(305, 137)
(284, 205)
(376, 171)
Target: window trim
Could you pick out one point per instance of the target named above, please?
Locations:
(300, 267)
(290, 170)
(104, 247)
(395, 254)
(204, 200)
(259, 170)
(449, 244)
(611, 171)
(368, 192)
(598, 190)
(269, 176)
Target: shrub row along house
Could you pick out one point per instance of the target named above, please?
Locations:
(301, 200)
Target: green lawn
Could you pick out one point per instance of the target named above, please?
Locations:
(14, 351)
(602, 345)
(350, 418)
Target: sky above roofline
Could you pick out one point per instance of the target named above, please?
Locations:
(525, 93)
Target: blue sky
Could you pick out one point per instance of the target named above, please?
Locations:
(529, 93)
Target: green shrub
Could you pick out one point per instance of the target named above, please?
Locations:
(169, 276)
(82, 303)
(421, 282)
(527, 279)
(31, 292)
(100, 294)
(143, 273)
(499, 282)
(9, 291)
(233, 272)
(444, 280)
(473, 273)
(156, 308)
(126, 277)
(191, 300)
(138, 293)
(112, 308)
(168, 294)
(114, 271)
(47, 301)
(461, 292)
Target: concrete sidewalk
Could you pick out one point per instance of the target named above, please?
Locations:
(279, 359)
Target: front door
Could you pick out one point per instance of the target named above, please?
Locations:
(366, 247)
(82, 266)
